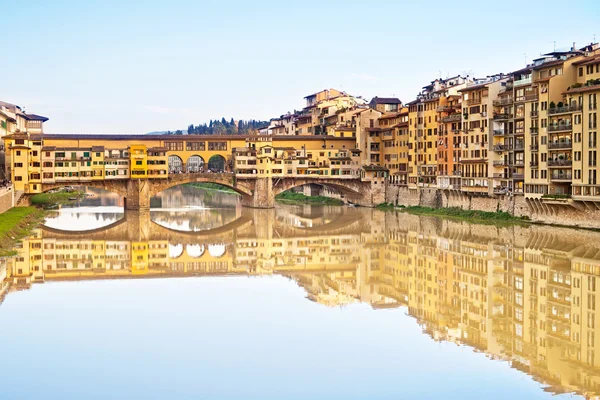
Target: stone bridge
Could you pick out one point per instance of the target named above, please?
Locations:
(255, 191)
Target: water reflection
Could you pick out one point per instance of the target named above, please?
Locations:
(524, 295)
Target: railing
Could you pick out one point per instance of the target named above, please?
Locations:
(456, 173)
(534, 130)
(502, 102)
(534, 114)
(565, 109)
(452, 118)
(518, 163)
(502, 116)
(522, 82)
(518, 176)
(534, 147)
(533, 164)
(500, 175)
(519, 131)
(560, 127)
(560, 163)
(499, 132)
(560, 177)
(500, 147)
(519, 146)
(560, 145)
(471, 102)
(500, 163)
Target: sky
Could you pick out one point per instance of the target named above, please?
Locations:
(118, 66)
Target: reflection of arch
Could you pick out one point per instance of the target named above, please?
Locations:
(216, 250)
(224, 179)
(175, 250)
(194, 164)
(217, 163)
(194, 250)
(101, 229)
(175, 163)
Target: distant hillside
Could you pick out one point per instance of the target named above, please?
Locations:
(218, 127)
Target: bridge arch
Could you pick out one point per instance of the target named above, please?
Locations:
(195, 250)
(224, 179)
(194, 163)
(175, 250)
(351, 190)
(217, 163)
(175, 164)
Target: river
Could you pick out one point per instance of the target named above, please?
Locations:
(201, 298)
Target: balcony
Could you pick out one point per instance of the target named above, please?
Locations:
(534, 147)
(500, 175)
(560, 145)
(521, 82)
(560, 163)
(561, 177)
(519, 131)
(502, 117)
(534, 164)
(472, 102)
(519, 146)
(534, 130)
(534, 114)
(446, 108)
(518, 163)
(560, 128)
(456, 173)
(499, 132)
(500, 147)
(452, 118)
(564, 110)
(518, 177)
(503, 102)
(500, 163)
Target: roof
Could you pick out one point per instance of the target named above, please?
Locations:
(48, 148)
(390, 115)
(475, 87)
(33, 117)
(97, 148)
(583, 89)
(588, 60)
(549, 64)
(385, 100)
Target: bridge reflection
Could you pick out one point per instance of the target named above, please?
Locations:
(524, 295)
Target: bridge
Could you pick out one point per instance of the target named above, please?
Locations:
(255, 192)
(138, 167)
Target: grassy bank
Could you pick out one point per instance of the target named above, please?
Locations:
(299, 198)
(15, 224)
(212, 186)
(467, 215)
(51, 199)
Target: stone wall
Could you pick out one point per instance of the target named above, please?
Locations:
(6, 200)
(567, 213)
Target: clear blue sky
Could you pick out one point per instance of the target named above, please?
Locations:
(119, 66)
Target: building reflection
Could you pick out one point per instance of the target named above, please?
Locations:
(527, 295)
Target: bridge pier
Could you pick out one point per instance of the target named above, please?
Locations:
(137, 195)
(262, 195)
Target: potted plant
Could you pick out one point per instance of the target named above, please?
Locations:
(552, 105)
(560, 104)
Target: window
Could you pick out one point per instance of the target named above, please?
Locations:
(139, 162)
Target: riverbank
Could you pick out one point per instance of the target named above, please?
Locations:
(480, 217)
(212, 186)
(48, 200)
(301, 199)
(15, 224)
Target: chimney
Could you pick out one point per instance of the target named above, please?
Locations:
(573, 48)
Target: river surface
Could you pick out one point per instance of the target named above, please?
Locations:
(203, 299)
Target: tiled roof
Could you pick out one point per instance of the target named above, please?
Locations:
(385, 100)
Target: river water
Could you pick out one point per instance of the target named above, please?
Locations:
(203, 299)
